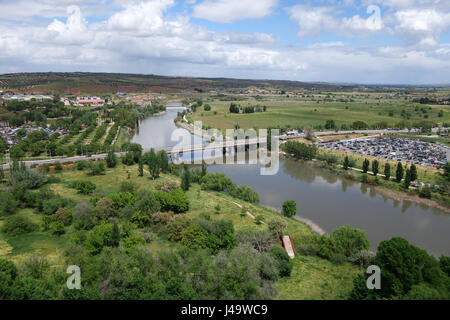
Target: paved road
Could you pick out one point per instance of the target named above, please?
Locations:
(64, 160)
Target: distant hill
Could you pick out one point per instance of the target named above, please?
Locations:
(85, 82)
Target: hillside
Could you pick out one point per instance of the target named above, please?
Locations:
(113, 82)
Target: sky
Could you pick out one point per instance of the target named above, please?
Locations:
(343, 41)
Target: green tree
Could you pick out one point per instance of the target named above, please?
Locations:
(8, 204)
(399, 172)
(375, 167)
(413, 172)
(387, 171)
(141, 167)
(16, 152)
(407, 181)
(289, 208)
(3, 145)
(346, 163)
(115, 237)
(186, 178)
(111, 160)
(350, 241)
(365, 166)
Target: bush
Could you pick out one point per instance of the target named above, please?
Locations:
(277, 227)
(101, 236)
(58, 166)
(81, 165)
(63, 215)
(147, 202)
(96, 168)
(175, 201)
(111, 160)
(285, 264)
(8, 203)
(349, 241)
(57, 228)
(127, 186)
(21, 176)
(16, 225)
(85, 187)
(425, 193)
(83, 214)
(289, 208)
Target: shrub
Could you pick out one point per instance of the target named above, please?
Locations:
(285, 264)
(111, 160)
(57, 228)
(58, 166)
(177, 225)
(289, 208)
(83, 216)
(123, 199)
(81, 165)
(175, 201)
(127, 186)
(425, 193)
(50, 206)
(16, 225)
(349, 241)
(85, 187)
(8, 203)
(63, 215)
(21, 176)
(261, 241)
(128, 158)
(133, 241)
(277, 227)
(96, 168)
(147, 202)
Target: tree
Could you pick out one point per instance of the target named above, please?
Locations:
(349, 241)
(8, 204)
(111, 160)
(141, 167)
(413, 172)
(375, 167)
(289, 208)
(365, 166)
(447, 170)
(346, 163)
(16, 152)
(407, 178)
(399, 172)
(3, 145)
(115, 237)
(330, 124)
(387, 171)
(403, 266)
(163, 160)
(204, 169)
(186, 178)
(153, 163)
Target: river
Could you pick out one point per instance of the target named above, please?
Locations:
(328, 200)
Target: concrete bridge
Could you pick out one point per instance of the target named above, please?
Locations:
(225, 145)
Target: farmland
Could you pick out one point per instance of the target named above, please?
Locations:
(300, 114)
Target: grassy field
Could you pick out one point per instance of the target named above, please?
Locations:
(312, 278)
(300, 114)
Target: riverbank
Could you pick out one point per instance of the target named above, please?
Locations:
(391, 193)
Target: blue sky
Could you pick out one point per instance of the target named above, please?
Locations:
(358, 41)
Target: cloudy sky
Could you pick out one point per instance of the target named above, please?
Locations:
(358, 41)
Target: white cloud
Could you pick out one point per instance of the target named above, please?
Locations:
(227, 11)
(314, 21)
(423, 26)
(74, 31)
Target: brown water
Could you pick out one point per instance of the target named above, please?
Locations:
(328, 200)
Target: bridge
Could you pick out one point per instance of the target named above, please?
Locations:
(216, 145)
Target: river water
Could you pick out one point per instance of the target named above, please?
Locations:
(326, 199)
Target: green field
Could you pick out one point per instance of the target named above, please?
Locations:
(300, 114)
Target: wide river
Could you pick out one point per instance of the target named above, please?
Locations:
(326, 199)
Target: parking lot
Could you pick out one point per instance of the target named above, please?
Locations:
(398, 149)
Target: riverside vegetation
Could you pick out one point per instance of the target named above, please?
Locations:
(142, 228)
